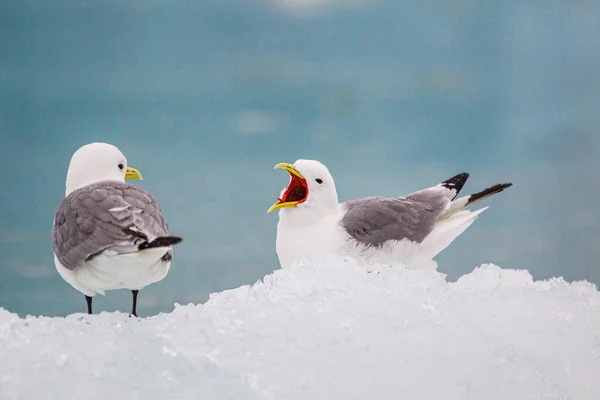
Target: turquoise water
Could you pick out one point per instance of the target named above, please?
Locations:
(205, 97)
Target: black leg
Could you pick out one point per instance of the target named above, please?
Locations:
(88, 300)
(134, 311)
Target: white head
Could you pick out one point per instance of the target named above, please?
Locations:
(311, 188)
(96, 162)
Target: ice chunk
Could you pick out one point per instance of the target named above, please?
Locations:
(325, 332)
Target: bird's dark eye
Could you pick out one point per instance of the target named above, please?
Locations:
(121, 167)
(319, 181)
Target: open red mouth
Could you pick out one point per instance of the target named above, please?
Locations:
(297, 191)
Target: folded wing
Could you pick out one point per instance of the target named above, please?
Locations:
(107, 216)
(431, 216)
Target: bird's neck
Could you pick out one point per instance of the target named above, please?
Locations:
(76, 181)
(306, 216)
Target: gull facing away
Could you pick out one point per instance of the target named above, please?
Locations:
(412, 229)
(108, 234)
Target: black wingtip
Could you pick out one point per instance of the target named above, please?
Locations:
(456, 182)
(487, 192)
(163, 241)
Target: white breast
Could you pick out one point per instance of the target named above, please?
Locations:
(298, 240)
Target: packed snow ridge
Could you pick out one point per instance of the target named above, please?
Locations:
(334, 331)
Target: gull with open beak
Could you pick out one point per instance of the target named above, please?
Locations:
(412, 229)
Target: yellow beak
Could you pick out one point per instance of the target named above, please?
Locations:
(290, 169)
(133, 173)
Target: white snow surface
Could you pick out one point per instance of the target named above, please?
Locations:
(333, 331)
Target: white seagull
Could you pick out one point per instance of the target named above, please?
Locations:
(108, 234)
(411, 229)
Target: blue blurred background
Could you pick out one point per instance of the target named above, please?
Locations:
(204, 97)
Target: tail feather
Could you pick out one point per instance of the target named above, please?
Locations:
(447, 230)
(456, 219)
(163, 241)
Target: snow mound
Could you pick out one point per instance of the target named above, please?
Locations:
(324, 332)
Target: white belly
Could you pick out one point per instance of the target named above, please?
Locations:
(110, 271)
(405, 252)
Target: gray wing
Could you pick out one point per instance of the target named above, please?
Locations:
(105, 215)
(373, 221)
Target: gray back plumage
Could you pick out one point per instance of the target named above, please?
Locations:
(373, 221)
(104, 215)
